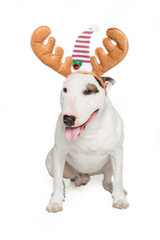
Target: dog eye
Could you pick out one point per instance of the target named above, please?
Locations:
(65, 90)
(87, 92)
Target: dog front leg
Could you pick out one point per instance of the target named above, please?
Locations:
(56, 202)
(119, 197)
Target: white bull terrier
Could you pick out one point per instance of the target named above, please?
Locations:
(89, 131)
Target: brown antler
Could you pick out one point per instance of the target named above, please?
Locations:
(44, 52)
(115, 53)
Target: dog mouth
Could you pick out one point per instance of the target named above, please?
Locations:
(72, 133)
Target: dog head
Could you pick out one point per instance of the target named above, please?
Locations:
(82, 97)
(84, 90)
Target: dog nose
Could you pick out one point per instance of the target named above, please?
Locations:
(69, 120)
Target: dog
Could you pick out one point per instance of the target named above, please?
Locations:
(89, 131)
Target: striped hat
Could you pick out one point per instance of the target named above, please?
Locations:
(81, 54)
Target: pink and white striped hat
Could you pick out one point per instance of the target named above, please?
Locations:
(81, 53)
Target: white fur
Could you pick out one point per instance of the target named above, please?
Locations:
(100, 143)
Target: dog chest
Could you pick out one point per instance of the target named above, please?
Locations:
(87, 162)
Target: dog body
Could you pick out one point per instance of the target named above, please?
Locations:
(91, 148)
(89, 131)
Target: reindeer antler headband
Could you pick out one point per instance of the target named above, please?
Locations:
(80, 61)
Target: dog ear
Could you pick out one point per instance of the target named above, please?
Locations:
(109, 82)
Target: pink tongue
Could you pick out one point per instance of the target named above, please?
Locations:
(72, 133)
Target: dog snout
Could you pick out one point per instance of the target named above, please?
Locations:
(69, 120)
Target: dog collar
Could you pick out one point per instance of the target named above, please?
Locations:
(93, 74)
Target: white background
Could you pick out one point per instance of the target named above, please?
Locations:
(29, 106)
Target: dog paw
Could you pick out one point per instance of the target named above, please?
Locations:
(78, 181)
(55, 206)
(120, 203)
(85, 178)
(81, 179)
